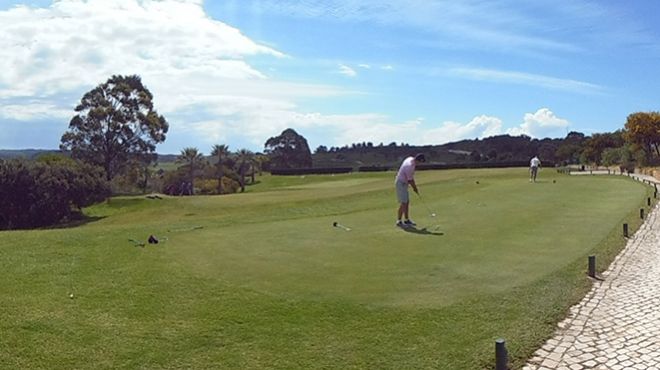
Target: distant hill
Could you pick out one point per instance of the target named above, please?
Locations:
(503, 148)
(32, 153)
(25, 153)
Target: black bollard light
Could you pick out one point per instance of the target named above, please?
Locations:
(625, 230)
(641, 213)
(501, 356)
(648, 201)
(592, 266)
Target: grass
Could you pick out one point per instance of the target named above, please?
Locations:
(263, 280)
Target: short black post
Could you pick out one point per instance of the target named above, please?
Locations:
(648, 201)
(501, 356)
(625, 230)
(641, 213)
(592, 266)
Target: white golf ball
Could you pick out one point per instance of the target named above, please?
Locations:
(71, 295)
(432, 214)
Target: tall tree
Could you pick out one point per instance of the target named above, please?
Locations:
(220, 152)
(643, 131)
(116, 122)
(192, 160)
(288, 150)
(244, 160)
(594, 146)
(570, 149)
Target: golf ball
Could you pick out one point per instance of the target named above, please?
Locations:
(71, 295)
(432, 214)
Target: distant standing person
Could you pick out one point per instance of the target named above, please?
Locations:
(405, 177)
(534, 165)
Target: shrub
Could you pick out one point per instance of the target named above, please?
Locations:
(47, 192)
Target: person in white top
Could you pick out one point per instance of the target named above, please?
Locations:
(405, 177)
(534, 165)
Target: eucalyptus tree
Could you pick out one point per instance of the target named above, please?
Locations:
(288, 150)
(116, 124)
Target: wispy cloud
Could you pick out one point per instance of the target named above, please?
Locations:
(493, 25)
(347, 71)
(532, 28)
(512, 77)
(34, 111)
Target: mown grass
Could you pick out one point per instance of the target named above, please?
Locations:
(263, 280)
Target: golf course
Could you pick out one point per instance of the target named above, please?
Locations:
(310, 272)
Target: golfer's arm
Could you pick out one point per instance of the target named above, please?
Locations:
(414, 186)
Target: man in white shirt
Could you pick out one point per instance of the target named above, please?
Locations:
(405, 177)
(534, 165)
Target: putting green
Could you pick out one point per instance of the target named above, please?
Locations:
(487, 237)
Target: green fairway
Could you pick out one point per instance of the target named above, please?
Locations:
(264, 280)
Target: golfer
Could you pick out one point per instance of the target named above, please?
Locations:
(534, 165)
(405, 177)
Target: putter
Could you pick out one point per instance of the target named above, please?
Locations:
(337, 224)
(425, 205)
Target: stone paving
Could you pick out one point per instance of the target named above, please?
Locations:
(617, 324)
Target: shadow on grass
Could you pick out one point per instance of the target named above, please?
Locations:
(422, 231)
(76, 222)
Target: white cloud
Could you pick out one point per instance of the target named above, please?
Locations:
(387, 68)
(197, 68)
(347, 71)
(543, 123)
(521, 78)
(479, 127)
(34, 111)
(365, 66)
(74, 44)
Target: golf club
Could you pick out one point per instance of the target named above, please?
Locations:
(425, 205)
(337, 224)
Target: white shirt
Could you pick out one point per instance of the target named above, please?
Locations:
(406, 171)
(535, 162)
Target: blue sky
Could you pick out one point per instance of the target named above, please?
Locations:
(237, 72)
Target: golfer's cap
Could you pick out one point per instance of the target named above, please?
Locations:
(420, 157)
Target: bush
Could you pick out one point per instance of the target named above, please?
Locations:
(47, 192)
(210, 186)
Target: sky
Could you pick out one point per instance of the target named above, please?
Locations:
(237, 72)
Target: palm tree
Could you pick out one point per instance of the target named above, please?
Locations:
(193, 159)
(220, 151)
(244, 159)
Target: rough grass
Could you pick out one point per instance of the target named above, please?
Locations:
(263, 280)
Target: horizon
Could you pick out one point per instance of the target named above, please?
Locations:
(313, 150)
(338, 72)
